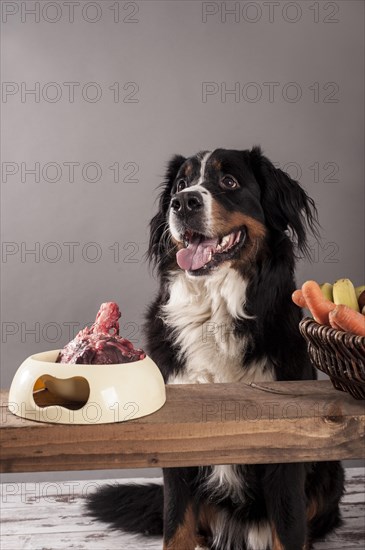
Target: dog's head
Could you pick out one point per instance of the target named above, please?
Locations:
(218, 207)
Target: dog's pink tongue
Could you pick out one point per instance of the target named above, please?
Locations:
(196, 255)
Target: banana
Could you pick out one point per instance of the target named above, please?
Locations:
(359, 290)
(344, 293)
(327, 291)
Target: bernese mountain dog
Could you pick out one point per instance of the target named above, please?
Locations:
(224, 241)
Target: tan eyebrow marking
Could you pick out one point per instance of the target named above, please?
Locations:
(188, 169)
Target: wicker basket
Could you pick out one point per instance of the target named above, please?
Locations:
(338, 354)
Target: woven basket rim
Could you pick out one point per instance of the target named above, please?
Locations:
(328, 331)
(339, 354)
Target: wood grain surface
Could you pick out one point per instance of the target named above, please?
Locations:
(51, 516)
(199, 425)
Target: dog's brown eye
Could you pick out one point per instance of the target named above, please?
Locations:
(228, 182)
(181, 184)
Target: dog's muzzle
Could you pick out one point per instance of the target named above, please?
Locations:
(185, 204)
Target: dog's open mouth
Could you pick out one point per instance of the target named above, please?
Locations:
(202, 253)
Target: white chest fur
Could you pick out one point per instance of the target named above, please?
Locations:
(201, 312)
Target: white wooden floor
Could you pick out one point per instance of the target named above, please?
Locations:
(49, 516)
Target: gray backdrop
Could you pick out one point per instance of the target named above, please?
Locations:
(96, 96)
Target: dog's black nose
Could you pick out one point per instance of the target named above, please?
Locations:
(187, 202)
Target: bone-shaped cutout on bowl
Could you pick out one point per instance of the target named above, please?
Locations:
(71, 393)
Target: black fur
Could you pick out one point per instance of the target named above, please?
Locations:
(285, 203)
(279, 493)
(123, 506)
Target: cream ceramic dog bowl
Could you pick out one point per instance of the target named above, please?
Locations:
(47, 391)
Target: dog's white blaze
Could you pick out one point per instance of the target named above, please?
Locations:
(199, 181)
(202, 167)
(207, 201)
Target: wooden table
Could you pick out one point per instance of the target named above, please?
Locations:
(198, 425)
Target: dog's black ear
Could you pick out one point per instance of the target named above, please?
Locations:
(285, 203)
(159, 236)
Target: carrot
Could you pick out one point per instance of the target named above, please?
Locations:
(316, 302)
(333, 322)
(349, 320)
(298, 298)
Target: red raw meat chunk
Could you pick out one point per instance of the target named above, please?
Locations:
(101, 344)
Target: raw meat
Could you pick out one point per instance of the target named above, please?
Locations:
(101, 344)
